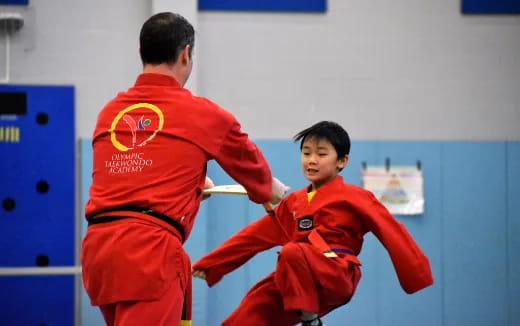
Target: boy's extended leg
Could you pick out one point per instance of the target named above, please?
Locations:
(262, 306)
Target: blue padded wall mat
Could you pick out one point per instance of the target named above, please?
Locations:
(474, 233)
(513, 232)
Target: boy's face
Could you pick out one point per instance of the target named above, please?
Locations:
(320, 162)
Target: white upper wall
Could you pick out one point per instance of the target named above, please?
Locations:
(401, 69)
(386, 70)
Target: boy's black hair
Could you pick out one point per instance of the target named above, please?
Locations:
(329, 131)
(163, 36)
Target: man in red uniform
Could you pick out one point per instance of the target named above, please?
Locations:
(320, 229)
(151, 146)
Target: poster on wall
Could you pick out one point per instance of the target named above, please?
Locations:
(399, 188)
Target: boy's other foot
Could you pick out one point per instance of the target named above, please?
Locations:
(313, 322)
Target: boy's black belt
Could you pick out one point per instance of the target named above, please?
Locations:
(97, 217)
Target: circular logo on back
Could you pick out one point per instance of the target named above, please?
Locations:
(135, 126)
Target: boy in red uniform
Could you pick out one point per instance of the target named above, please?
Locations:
(151, 146)
(320, 229)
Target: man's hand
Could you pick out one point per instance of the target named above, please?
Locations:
(199, 273)
(208, 183)
(278, 191)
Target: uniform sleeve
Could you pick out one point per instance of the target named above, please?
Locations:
(411, 265)
(254, 238)
(245, 163)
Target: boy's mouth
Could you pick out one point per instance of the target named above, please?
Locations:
(312, 171)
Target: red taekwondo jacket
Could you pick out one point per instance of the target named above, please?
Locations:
(151, 145)
(341, 213)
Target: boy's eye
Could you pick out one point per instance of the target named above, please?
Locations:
(322, 154)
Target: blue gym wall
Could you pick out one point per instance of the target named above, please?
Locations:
(470, 231)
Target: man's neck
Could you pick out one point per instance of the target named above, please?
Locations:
(163, 69)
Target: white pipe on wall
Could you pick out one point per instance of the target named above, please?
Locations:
(7, 61)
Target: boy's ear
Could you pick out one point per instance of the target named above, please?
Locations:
(342, 161)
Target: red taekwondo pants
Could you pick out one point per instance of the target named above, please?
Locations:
(304, 279)
(138, 273)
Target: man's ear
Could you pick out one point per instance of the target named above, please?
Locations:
(140, 55)
(185, 55)
(342, 162)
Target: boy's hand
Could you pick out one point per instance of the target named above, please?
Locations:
(199, 273)
(278, 191)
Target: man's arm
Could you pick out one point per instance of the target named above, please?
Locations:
(246, 164)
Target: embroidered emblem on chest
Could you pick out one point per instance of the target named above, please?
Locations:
(305, 223)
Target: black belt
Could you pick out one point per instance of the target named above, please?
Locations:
(97, 217)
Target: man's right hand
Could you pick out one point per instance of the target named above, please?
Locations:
(199, 273)
(278, 191)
